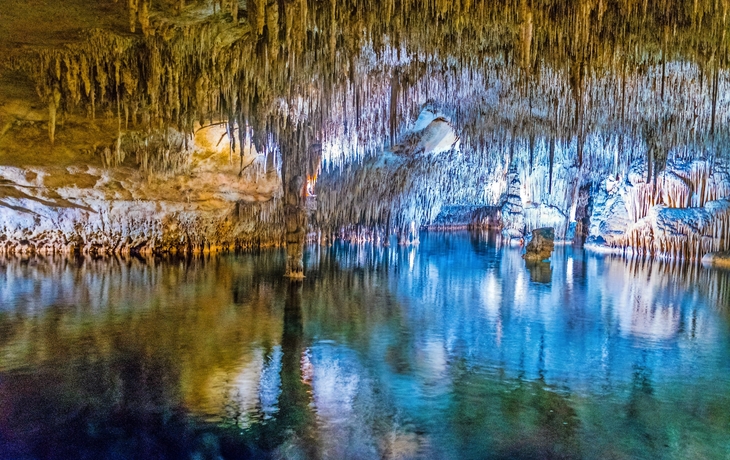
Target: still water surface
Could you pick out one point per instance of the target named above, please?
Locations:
(452, 349)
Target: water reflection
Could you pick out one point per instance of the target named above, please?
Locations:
(540, 271)
(453, 349)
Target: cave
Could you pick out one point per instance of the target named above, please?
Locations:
(364, 229)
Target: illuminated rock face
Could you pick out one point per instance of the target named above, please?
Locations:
(682, 214)
(92, 209)
(541, 245)
(535, 110)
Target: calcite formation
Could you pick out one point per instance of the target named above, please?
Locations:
(597, 118)
(718, 259)
(683, 213)
(99, 210)
(541, 245)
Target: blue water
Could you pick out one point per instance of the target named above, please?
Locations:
(450, 349)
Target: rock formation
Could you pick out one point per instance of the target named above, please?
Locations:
(681, 214)
(532, 109)
(718, 259)
(540, 247)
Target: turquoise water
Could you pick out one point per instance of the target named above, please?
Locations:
(451, 349)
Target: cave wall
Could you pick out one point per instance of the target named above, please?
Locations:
(85, 206)
(548, 101)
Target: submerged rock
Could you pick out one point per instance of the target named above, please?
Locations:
(541, 246)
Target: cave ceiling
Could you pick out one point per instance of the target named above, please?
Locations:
(351, 76)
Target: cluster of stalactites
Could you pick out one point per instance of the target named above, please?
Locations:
(259, 224)
(682, 213)
(257, 68)
(690, 236)
(558, 83)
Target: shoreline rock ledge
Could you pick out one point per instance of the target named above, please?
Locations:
(717, 259)
(541, 245)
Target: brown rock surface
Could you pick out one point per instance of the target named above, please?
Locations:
(717, 259)
(541, 246)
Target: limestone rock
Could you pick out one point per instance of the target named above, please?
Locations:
(542, 244)
(682, 215)
(513, 216)
(717, 259)
(87, 208)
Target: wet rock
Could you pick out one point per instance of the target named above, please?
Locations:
(541, 246)
(717, 259)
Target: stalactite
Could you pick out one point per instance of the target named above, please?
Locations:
(551, 159)
(144, 15)
(393, 107)
(357, 73)
(133, 7)
(53, 105)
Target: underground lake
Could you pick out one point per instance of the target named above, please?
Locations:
(453, 348)
(364, 229)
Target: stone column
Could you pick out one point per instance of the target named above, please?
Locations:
(300, 158)
(295, 219)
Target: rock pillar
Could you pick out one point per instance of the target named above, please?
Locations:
(295, 219)
(301, 159)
